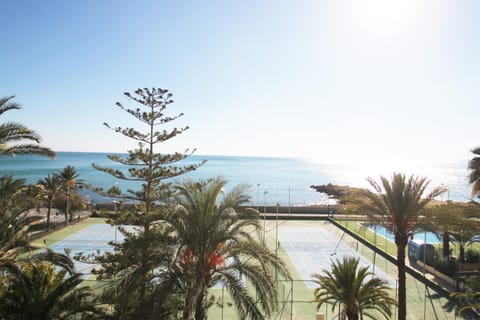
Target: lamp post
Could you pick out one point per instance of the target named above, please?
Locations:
(289, 201)
(276, 243)
(444, 186)
(375, 252)
(264, 215)
(89, 203)
(258, 193)
(115, 203)
(424, 275)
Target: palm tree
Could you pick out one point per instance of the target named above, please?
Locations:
(67, 177)
(215, 245)
(355, 290)
(397, 205)
(37, 291)
(12, 134)
(474, 166)
(457, 222)
(15, 223)
(51, 186)
(469, 299)
(439, 219)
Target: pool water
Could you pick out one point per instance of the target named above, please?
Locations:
(429, 236)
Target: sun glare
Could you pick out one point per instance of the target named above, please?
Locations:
(389, 16)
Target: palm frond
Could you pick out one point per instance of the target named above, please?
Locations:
(6, 104)
(13, 134)
(353, 289)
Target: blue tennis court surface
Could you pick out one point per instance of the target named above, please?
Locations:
(312, 250)
(94, 239)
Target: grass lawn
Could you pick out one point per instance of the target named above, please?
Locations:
(380, 241)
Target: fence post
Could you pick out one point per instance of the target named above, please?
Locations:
(291, 299)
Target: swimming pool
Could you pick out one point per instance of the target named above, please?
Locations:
(430, 236)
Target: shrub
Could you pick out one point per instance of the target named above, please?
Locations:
(447, 267)
(472, 255)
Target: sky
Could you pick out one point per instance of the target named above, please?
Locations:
(374, 80)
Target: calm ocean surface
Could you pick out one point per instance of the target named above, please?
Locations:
(272, 180)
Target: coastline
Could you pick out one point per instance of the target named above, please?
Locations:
(272, 180)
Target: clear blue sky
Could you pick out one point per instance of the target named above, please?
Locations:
(325, 80)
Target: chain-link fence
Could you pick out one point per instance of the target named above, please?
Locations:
(306, 247)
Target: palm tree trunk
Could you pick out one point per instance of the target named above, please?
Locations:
(446, 245)
(402, 290)
(68, 206)
(462, 253)
(189, 309)
(201, 312)
(49, 211)
(194, 305)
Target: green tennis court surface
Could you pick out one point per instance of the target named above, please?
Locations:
(312, 251)
(307, 247)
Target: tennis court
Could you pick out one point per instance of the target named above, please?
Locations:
(307, 247)
(313, 250)
(93, 239)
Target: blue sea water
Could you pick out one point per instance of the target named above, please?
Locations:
(272, 180)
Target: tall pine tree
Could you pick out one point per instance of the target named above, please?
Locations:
(133, 267)
(145, 164)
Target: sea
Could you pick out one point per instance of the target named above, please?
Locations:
(271, 180)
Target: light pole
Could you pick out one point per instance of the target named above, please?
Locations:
(289, 201)
(375, 252)
(115, 203)
(89, 203)
(276, 243)
(424, 276)
(444, 186)
(264, 215)
(258, 193)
